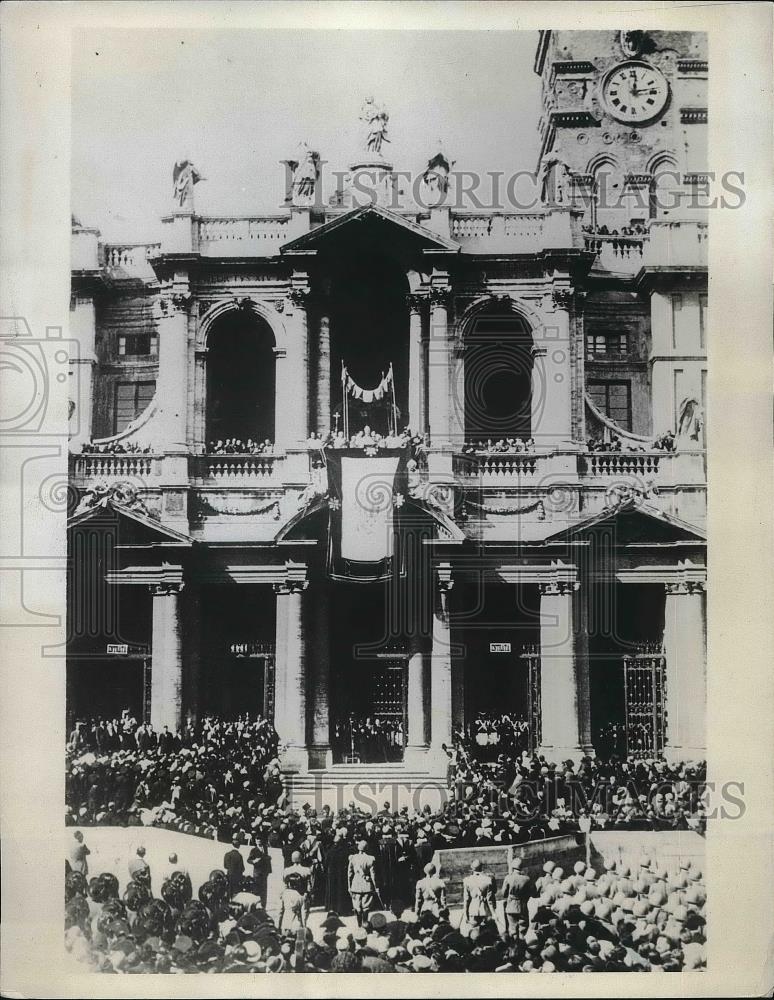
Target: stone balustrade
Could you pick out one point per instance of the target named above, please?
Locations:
(114, 466)
(130, 256)
(497, 466)
(622, 254)
(236, 467)
(621, 463)
(512, 232)
(260, 237)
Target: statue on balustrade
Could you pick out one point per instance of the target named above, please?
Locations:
(555, 182)
(306, 172)
(376, 117)
(184, 176)
(690, 424)
(435, 179)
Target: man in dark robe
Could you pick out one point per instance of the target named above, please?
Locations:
(336, 886)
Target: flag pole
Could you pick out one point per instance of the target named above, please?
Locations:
(394, 404)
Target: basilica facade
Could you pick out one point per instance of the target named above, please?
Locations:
(391, 461)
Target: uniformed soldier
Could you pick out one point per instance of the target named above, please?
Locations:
(517, 890)
(361, 882)
(430, 893)
(478, 895)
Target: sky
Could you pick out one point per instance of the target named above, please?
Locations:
(239, 102)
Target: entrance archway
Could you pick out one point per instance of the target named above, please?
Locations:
(240, 379)
(498, 378)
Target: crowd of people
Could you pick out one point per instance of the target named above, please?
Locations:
(503, 446)
(623, 918)
(612, 442)
(236, 446)
(368, 739)
(622, 240)
(206, 779)
(222, 780)
(367, 440)
(115, 448)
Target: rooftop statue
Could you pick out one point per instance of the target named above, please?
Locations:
(435, 179)
(305, 174)
(184, 176)
(376, 117)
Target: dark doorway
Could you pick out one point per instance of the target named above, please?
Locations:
(623, 618)
(369, 331)
(102, 688)
(498, 379)
(368, 722)
(495, 624)
(240, 379)
(238, 626)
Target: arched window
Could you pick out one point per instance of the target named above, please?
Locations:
(607, 206)
(240, 379)
(664, 188)
(498, 378)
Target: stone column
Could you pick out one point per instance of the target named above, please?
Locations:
(439, 362)
(82, 365)
(564, 701)
(167, 658)
(552, 396)
(290, 703)
(294, 406)
(323, 422)
(418, 698)
(320, 748)
(441, 676)
(172, 385)
(416, 398)
(685, 645)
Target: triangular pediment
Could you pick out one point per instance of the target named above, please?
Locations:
(133, 527)
(635, 523)
(370, 222)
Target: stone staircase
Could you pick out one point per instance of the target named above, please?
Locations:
(369, 786)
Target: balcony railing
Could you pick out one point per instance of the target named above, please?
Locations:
(615, 252)
(118, 466)
(514, 232)
(496, 465)
(622, 463)
(236, 237)
(130, 256)
(233, 467)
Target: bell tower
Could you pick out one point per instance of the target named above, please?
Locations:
(624, 112)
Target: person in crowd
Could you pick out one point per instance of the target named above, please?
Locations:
(362, 882)
(516, 892)
(478, 895)
(76, 860)
(294, 898)
(430, 895)
(139, 869)
(260, 859)
(234, 864)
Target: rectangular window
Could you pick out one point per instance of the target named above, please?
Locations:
(614, 399)
(677, 305)
(138, 345)
(702, 321)
(131, 399)
(606, 345)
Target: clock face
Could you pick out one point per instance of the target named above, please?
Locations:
(635, 92)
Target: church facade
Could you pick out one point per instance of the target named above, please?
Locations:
(377, 461)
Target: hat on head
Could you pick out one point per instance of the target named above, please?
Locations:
(516, 863)
(548, 867)
(579, 867)
(359, 934)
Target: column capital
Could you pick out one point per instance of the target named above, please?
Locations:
(165, 589)
(562, 296)
(299, 296)
(415, 301)
(558, 588)
(178, 302)
(673, 587)
(286, 587)
(440, 295)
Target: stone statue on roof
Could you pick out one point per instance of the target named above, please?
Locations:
(376, 117)
(184, 176)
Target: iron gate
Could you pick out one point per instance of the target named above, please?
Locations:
(263, 651)
(645, 699)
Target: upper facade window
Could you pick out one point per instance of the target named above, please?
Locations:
(131, 399)
(606, 345)
(138, 345)
(614, 399)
